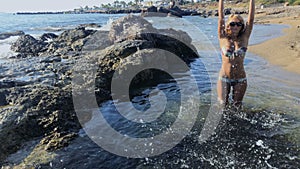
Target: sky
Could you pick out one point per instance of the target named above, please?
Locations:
(12, 6)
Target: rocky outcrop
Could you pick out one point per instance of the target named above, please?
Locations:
(178, 12)
(34, 111)
(48, 36)
(36, 102)
(133, 34)
(73, 39)
(28, 45)
(51, 44)
(162, 11)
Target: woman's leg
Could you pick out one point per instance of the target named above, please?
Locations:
(238, 93)
(223, 90)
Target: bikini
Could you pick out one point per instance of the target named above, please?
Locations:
(231, 54)
(241, 52)
(233, 82)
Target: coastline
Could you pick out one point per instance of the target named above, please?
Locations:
(283, 51)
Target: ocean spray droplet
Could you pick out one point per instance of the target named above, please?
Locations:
(291, 157)
(259, 143)
(184, 166)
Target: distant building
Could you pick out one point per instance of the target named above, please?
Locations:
(164, 3)
(148, 3)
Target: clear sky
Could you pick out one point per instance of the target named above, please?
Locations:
(48, 5)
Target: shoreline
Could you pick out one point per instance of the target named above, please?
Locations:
(283, 51)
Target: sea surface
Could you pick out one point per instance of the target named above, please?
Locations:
(266, 134)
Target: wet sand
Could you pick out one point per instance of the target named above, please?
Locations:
(283, 51)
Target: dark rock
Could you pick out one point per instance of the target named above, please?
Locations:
(209, 13)
(215, 13)
(54, 48)
(131, 34)
(3, 94)
(19, 55)
(192, 12)
(128, 27)
(90, 25)
(12, 83)
(179, 11)
(151, 9)
(7, 84)
(98, 41)
(48, 36)
(175, 11)
(169, 11)
(9, 34)
(154, 14)
(37, 111)
(51, 59)
(227, 11)
(70, 40)
(243, 11)
(28, 45)
(58, 140)
(134, 27)
(70, 36)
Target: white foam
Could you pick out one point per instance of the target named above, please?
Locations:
(5, 51)
(9, 40)
(107, 26)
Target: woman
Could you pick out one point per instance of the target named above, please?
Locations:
(233, 39)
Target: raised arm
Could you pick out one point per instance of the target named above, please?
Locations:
(251, 16)
(221, 23)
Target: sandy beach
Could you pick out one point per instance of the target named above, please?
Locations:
(284, 50)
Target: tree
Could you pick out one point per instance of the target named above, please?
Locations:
(96, 7)
(130, 3)
(123, 3)
(116, 3)
(86, 8)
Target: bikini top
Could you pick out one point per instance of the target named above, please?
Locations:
(241, 52)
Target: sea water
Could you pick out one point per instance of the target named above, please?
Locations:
(264, 135)
(36, 24)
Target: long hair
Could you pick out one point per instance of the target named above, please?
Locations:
(230, 18)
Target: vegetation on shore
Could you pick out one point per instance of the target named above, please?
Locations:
(291, 2)
(183, 3)
(138, 5)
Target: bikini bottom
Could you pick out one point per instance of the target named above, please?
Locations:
(233, 82)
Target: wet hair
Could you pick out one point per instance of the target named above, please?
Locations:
(230, 18)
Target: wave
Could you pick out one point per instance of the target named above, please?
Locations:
(52, 28)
